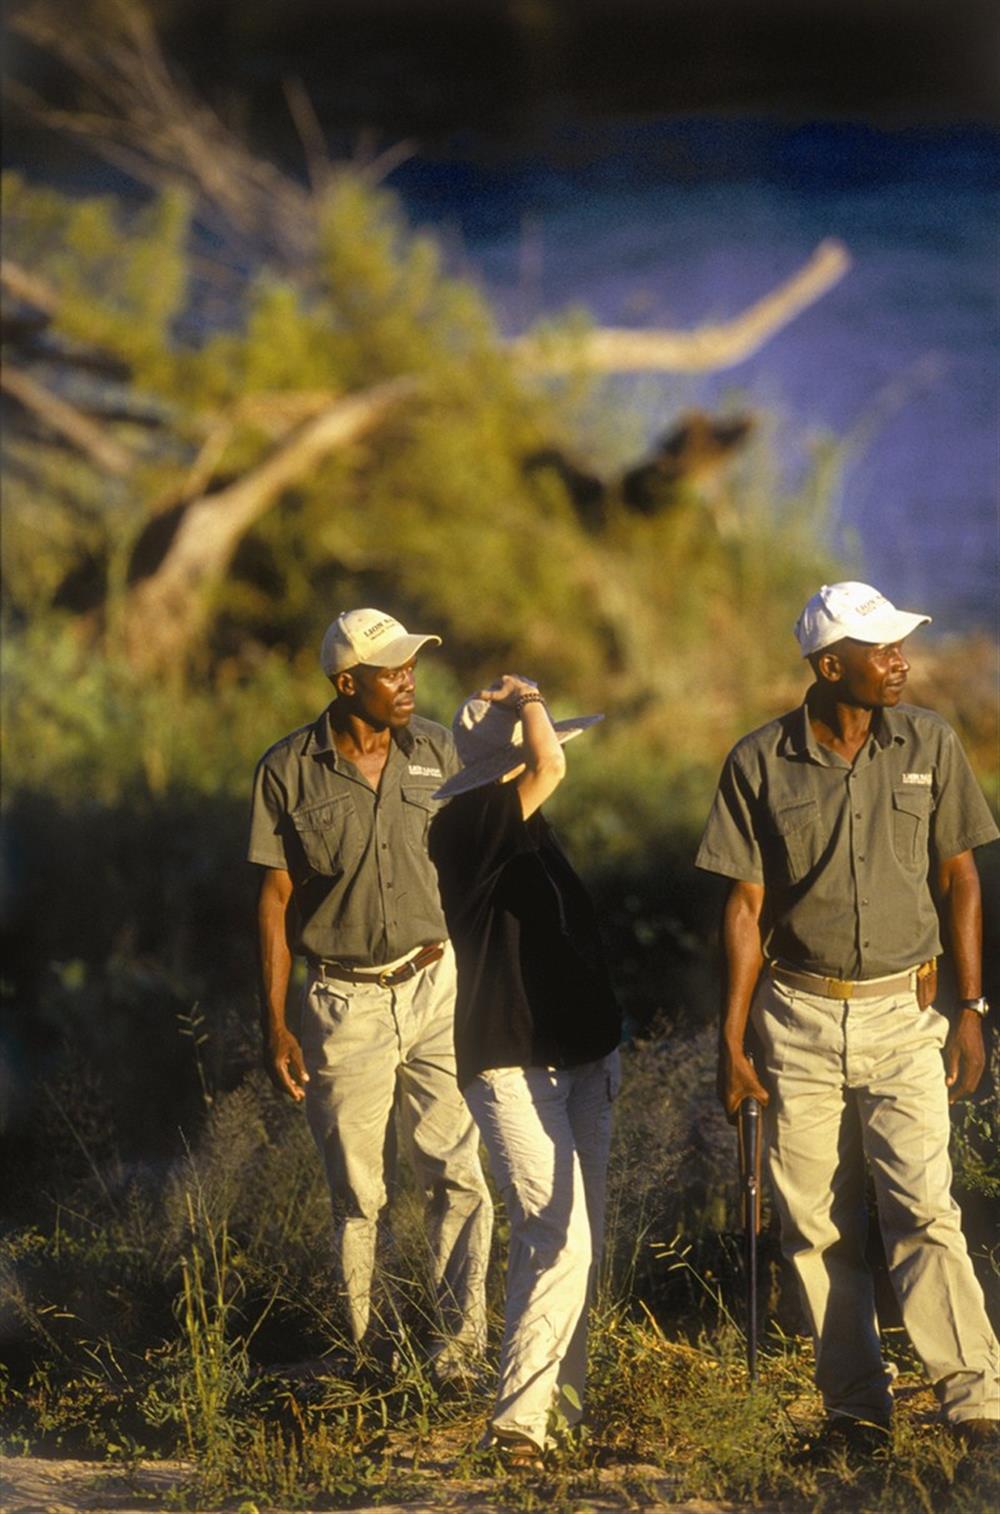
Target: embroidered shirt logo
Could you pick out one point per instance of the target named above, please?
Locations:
(924, 779)
(419, 772)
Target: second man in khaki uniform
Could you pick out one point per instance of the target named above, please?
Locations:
(341, 810)
(834, 823)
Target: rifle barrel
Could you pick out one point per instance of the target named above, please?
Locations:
(750, 1150)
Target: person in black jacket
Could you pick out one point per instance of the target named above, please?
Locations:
(536, 1036)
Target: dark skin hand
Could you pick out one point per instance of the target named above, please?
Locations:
(961, 907)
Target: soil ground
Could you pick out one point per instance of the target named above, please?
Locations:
(34, 1485)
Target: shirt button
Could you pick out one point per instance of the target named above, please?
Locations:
(857, 814)
(866, 943)
(864, 901)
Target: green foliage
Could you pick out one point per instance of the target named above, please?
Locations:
(154, 1286)
(121, 278)
(204, 1371)
(437, 516)
(975, 1148)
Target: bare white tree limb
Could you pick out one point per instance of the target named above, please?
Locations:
(165, 609)
(706, 348)
(28, 287)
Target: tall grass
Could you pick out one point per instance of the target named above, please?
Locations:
(230, 1348)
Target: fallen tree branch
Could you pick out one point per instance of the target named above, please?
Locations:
(28, 287)
(706, 348)
(165, 609)
(66, 421)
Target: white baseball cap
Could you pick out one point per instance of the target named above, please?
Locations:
(856, 610)
(371, 637)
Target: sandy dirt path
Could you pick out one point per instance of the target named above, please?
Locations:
(36, 1485)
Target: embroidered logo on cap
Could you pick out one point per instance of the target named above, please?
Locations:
(370, 632)
(875, 603)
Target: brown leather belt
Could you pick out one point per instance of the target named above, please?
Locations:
(847, 988)
(385, 977)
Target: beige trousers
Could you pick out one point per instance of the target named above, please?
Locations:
(366, 1047)
(548, 1134)
(861, 1079)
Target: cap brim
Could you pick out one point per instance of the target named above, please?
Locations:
(881, 632)
(893, 628)
(488, 769)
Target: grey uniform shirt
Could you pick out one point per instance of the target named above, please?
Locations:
(845, 852)
(364, 889)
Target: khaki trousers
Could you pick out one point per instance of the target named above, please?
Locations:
(857, 1079)
(548, 1134)
(366, 1047)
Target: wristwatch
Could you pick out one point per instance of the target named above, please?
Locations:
(978, 1006)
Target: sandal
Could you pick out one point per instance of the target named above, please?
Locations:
(517, 1453)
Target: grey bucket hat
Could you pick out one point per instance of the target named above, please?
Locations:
(489, 739)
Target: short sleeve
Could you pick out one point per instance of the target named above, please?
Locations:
(266, 845)
(474, 837)
(729, 843)
(962, 818)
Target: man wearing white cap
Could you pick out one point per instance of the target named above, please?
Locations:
(835, 822)
(341, 810)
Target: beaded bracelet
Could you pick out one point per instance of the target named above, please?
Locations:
(531, 696)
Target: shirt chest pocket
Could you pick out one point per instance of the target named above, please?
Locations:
(329, 835)
(796, 829)
(419, 810)
(911, 810)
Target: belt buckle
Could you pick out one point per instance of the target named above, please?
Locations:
(840, 988)
(390, 976)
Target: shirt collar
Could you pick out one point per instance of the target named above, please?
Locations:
(320, 742)
(797, 739)
(887, 727)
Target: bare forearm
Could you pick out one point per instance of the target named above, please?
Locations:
(961, 908)
(541, 752)
(282, 1052)
(964, 917)
(961, 905)
(743, 958)
(541, 744)
(274, 954)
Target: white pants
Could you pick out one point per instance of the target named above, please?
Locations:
(850, 1080)
(364, 1047)
(548, 1134)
